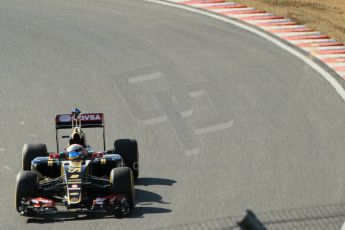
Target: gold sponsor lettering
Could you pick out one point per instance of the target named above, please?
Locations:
(74, 181)
(74, 194)
(50, 162)
(74, 169)
(74, 176)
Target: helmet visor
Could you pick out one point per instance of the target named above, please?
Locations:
(74, 154)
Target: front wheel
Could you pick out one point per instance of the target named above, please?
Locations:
(26, 186)
(121, 180)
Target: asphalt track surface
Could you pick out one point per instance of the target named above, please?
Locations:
(225, 120)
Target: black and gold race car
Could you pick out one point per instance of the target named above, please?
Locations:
(78, 178)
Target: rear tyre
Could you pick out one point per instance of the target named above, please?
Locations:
(26, 186)
(128, 150)
(30, 152)
(122, 182)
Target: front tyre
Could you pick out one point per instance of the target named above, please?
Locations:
(128, 150)
(30, 152)
(26, 186)
(122, 182)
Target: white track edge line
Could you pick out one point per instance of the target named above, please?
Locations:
(336, 64)
(327, 76)
(221, 10)
(212, 4)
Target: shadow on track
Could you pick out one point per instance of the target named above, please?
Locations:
(64, 216)
(147, 181)
(330, 216)
(145, 199)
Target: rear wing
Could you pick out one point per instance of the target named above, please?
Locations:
(86, 120)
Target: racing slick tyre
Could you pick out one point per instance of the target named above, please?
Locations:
(122, 182)
(128, 150)
(26, 186)
(30, 152)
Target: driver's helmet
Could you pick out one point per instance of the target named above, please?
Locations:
(75, 152)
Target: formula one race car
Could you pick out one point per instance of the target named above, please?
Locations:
(78, 177)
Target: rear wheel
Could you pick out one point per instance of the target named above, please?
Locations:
(26, 186)
(121, 180)
(128, 150)
(30, 152)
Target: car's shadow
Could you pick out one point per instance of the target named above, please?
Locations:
(144, 199)
(147, 181)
